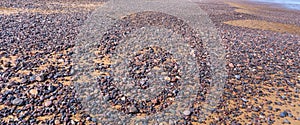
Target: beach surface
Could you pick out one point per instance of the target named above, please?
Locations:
(256, 46)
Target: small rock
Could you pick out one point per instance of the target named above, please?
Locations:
(123, 98)
(237, 77)
(33, 91)
(231, 65)
(283, 114)
(72, 122)
(290, 114)
(261, 116)
(154, 101)
(297, 86)
(133, 109)
(47, 103)
(256, 109)
(51, 88)
(167, 78)
(286, 121)
(187, 112)
(245, 100)
(32, 78)
(40, 78)
(23, 80)
(270, 107)
(17, 101)
(260, 67)
(56, 122)
(72, 72)
(298, 118)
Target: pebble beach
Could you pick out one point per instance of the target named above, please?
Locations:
(149, 62)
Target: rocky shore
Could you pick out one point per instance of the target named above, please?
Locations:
(37, 72)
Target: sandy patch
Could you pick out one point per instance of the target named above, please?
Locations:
(65, 8)
(9, 11)
(265, 25)
(264, 10)
(46, 117)
(243, 8)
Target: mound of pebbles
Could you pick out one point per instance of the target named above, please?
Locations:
(141, 63)
(139, 69)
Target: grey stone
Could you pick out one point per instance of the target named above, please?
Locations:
(17, 101)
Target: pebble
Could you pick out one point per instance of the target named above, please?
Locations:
(56, 122)
(187, 112)
(33, 92)
(297, 86)
(238, 77)
(32, 78)
(133, 110)
(283, 114)
(48, 103)
(270, 107)
(231, 65)
(18, 101)
(40, 78)
(23, 80)
(286, 121)
(245, 100)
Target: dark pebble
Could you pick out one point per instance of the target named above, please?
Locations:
(270, 107)
(283, 114)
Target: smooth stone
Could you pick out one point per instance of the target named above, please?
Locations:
(187, 112)
(133, 109)
(270, 107)
(237, 77)
(286, 121)
(283, 114)
(40, 78)
(231, 65)
(17, 101)
(48, 103)
(245, 100)
(33, 92)
(32, 78)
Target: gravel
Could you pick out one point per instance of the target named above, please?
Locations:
(148, 52)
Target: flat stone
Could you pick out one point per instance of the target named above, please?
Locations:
(237, 76)
(40, 78)
(245, 100)
(133, 109)
(286, 121)
(33, 91)
(231, 65)
(23, 80)
(47, 103)
(283, 114)
(32, 78)
(17, 101)
(187, 112)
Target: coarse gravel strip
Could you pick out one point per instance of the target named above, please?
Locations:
(102, 19)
